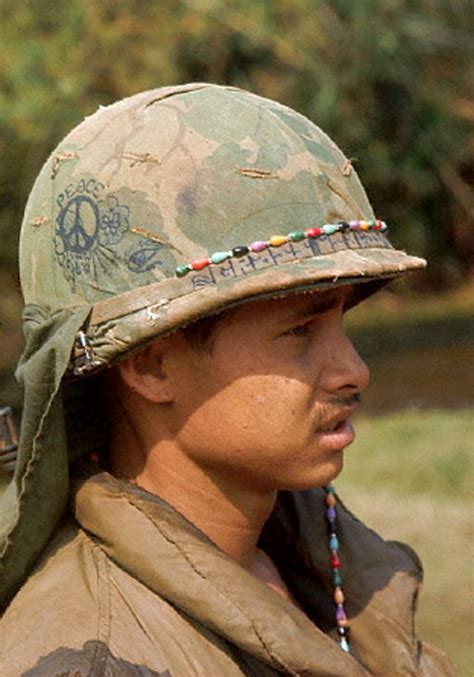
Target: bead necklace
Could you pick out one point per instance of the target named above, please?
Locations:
(279, 240)
(335, 563)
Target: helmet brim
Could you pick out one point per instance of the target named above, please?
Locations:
(130, 320)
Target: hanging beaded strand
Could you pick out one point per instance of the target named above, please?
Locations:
(335, 563)
(279, 240)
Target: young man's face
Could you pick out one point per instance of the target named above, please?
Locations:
(268, 404)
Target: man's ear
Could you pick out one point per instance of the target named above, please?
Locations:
(146, 374)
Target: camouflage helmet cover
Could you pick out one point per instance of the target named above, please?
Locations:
(174, 175)
(154, 182)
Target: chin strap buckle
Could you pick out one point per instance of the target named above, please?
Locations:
(8, 443)
(83, 360)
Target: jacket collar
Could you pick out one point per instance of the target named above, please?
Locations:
(178, 562)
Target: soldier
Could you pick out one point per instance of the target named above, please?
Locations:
(187, 255)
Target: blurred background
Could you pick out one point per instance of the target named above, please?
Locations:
(392, 82)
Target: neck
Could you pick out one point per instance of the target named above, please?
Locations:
(231, 515)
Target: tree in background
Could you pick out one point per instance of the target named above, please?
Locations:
(387, 78)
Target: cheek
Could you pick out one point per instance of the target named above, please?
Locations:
(249, 414)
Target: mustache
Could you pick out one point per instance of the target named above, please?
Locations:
(347, 401)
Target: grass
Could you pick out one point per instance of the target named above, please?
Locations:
(409, 476)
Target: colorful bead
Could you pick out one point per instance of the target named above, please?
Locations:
(182, 270)
(331, 513)
(278, 240)
(335, 561)
(219, 257)
(338, 596)
(333, 542)
(330, 499)
(199, 265)
(240, 251)
(336, 578)
(340, 613)
(297, 236)
(330, 229)
(342, 631)
(344, 644)
(258, 246)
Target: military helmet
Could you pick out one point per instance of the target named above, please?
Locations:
(155, 211)
(178, 202)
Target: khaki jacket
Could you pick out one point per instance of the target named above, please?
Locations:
(132, 588)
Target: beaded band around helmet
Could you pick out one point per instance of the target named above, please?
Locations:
(278, 241)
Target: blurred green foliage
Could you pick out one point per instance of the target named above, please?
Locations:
(431, 453)
(388, 79)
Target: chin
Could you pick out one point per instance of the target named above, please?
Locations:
(318, 476)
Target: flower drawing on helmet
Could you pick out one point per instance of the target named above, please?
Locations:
(114, 221)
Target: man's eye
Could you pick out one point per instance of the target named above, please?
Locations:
(299, 330)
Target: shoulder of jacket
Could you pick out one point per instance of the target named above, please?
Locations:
(57, 610)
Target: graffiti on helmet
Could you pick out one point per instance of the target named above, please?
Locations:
(144, 255)
(290, 252)
(88, 225)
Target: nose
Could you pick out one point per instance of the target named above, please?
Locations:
(345, 373)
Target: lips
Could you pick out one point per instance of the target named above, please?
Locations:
(336, 434)
(332, 428)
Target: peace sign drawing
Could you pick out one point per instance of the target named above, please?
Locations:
(88, 230)
(78, 224)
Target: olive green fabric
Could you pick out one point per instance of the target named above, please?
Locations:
(138, 590)
(35, 498)
(160, 179)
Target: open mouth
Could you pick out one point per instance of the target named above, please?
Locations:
(337, 435)
(334, 428)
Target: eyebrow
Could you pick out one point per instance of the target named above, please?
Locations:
(320, 306)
